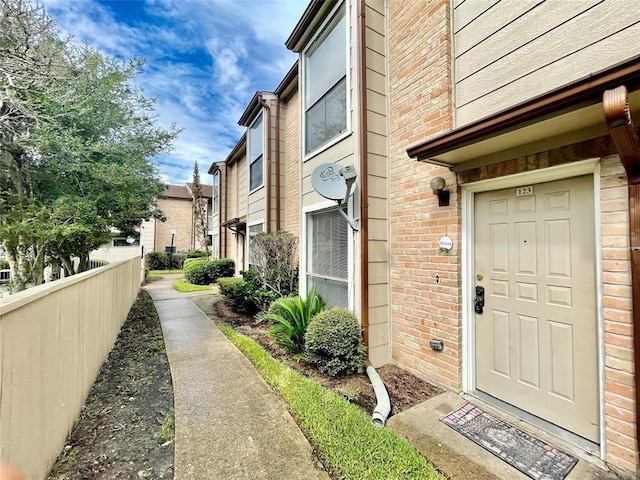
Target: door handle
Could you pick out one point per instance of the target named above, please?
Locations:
(479, 301)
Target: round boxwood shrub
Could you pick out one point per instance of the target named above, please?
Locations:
(334, 342)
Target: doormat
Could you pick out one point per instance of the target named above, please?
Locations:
(531, 456)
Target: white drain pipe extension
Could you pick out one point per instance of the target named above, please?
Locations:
(383, 407)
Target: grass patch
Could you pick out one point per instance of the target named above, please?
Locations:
(185, 287)
(164, 272)
(166, 428)
(347, 442)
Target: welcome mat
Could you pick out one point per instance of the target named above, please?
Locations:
(531, 456)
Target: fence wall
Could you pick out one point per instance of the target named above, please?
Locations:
(53, 341)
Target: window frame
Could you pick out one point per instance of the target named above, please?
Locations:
(260, 158)
(249, 234)
(215, 245)
(216, 194)
(304, 108)
(304, 235)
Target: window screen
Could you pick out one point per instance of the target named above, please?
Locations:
(325, 80)
(328, 256)
(256, 147)
(254, 230)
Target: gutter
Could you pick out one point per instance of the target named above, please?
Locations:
(625, 137)
(364, 175)
(267, 159)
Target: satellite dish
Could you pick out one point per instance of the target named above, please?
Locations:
(328, 182)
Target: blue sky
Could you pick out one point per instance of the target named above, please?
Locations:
(205, 60)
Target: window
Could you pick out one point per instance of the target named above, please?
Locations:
(256, 147)
(126, 242)
(215, 245)
(327, 256)
(325, 84)
(216, 193)
(253, 231)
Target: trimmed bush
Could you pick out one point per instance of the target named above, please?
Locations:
(187, 261)
(204, 272)
(196, 254)
(160, 261)
(334, 342)
(4, 264)
(290, 317)
(238, 294)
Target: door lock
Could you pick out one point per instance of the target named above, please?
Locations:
(479, 302)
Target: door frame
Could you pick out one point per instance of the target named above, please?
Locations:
(467, 192)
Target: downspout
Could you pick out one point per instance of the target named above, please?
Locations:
(625, 137)
(220, 197)
(267, 160)
(226, 208)
(278, 221)
(364, 190)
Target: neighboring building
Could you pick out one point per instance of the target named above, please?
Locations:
(510, 240)
(177, 206)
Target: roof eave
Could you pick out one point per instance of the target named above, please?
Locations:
(586, 91)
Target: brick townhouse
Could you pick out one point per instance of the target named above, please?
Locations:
(177, 206)
(496, 164)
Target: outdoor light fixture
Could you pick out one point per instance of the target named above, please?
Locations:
(437, 185)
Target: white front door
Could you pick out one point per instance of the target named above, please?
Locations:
(536, 337)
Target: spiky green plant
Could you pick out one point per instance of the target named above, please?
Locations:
(290, 317)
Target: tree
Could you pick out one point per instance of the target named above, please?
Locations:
(200, 210)
(75, 141)
(274, 261)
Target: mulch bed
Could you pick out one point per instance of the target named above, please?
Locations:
(125, 429)
(405, 389)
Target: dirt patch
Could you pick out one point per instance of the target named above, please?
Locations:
(405, 389)
(125, 429)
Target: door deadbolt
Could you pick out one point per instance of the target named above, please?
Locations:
(479, 302)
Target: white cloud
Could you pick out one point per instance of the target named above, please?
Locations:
(205, 59)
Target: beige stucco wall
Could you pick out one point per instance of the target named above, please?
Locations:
(53, 340)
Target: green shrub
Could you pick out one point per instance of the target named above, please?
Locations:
(334, 342)
(187, 261)
(160, 261)
(196, 254)
(290, 317)
(4, 264)
(238, 294)
(261, 297)
(204, 272)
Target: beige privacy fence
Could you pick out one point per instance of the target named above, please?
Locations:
(53, 340)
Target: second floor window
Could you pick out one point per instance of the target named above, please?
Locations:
(216, 193)
(256, 150)
(325, 83)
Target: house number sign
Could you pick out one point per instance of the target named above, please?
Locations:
(522, 191)
(445, 244)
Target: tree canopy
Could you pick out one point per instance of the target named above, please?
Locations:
(76, 139)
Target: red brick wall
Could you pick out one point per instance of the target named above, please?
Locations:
(420, 107)
(292, 166)
(618, 330)
(179, 214)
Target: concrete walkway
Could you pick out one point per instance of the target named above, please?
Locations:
(228, 422)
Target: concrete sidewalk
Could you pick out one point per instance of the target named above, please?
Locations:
(228, 423)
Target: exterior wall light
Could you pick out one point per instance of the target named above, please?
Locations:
(437, 185)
